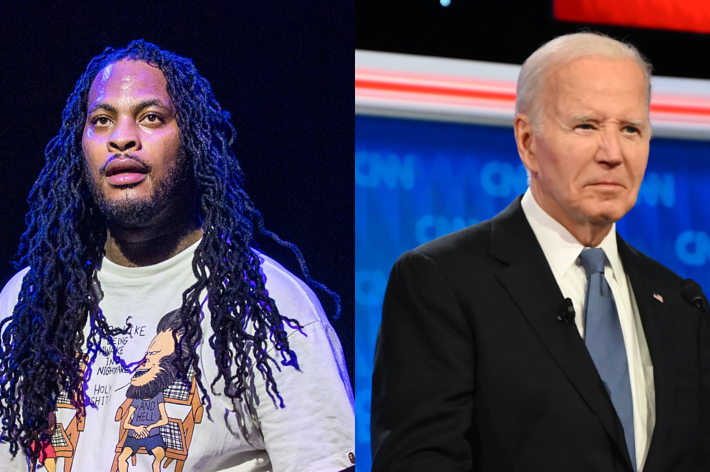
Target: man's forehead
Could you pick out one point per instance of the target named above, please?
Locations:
(576, 87)
(106, 73)
(128, 79)
(566, 76)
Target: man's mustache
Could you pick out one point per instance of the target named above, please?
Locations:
(133, 157)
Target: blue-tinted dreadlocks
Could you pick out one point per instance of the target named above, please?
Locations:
(42, 346)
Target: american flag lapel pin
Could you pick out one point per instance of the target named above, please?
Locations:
(658, 297)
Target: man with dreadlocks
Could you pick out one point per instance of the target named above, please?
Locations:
(139, 212)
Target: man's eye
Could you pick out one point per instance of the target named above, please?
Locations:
(585, 126)
(101, 121)
(152, 118)
(631, 129)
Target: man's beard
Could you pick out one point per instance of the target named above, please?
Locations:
(131, 213)
(166, 376)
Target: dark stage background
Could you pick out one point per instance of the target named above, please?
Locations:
(284, 70)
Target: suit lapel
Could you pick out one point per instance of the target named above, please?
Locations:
(657, 324)
(532, 286)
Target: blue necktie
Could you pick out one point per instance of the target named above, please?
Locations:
(605, 342)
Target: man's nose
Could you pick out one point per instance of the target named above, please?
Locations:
(125, 137)
(610, 151)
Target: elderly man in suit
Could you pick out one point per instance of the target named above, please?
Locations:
(540, 340)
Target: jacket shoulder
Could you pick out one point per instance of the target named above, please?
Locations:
(509, 226)
(649, 266)
(473, 238)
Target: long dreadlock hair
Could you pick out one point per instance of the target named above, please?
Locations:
(42, 348)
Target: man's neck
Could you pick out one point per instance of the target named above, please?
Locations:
(588, 234)
(139, 249)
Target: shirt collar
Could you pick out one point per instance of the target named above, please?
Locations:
(560, 247)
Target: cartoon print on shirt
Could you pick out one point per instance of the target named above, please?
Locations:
(143, 421)
(156, 419)
(65, 439)
(60, 439)
(144, 425)
(47, 454)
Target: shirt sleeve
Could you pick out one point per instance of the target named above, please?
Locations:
(9, 294)
(8, 464)
(315, 429)
(8, 300)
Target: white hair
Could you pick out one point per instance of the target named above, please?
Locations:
(561, 51)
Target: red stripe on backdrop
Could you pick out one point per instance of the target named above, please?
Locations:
(681, 15)
(432, 90)
(684, 110)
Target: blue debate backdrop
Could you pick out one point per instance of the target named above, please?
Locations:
(417, 180)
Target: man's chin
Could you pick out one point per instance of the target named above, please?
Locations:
(607, 213)
(130, 213)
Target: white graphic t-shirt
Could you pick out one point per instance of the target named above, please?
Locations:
(146, 415)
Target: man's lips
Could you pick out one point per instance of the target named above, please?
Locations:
(125, 171)
(606, 184)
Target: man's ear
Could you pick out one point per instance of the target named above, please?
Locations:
(524, 134)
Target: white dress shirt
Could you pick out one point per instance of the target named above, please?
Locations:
(562, 251)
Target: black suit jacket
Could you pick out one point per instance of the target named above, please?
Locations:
(473, 370)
